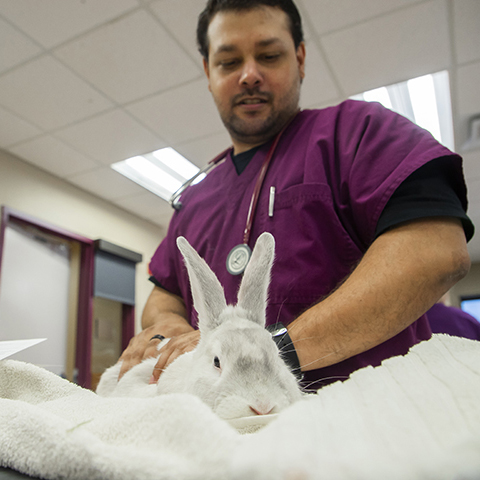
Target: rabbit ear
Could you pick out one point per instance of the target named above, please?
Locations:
(252, 295)
(208, 296)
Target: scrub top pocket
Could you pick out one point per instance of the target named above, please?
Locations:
(310, 244)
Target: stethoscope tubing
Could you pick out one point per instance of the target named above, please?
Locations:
(177, 205)
(175, 198)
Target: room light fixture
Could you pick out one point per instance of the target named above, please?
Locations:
(162, 172)
(424, 100)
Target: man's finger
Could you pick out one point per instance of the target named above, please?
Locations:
(165, 359)
(173, 349)
(138, 349)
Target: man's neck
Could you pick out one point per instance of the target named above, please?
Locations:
(239, 147)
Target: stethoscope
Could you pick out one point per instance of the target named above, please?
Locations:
(175, 198)
(239, 256)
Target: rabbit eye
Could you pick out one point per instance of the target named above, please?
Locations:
(216, 362)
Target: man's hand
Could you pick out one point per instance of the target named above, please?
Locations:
(173, 349)
(164, 314)
(139, 348)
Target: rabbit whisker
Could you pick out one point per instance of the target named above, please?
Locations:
(316, 360)
(280, 310)
(285, 350)
(335, 377)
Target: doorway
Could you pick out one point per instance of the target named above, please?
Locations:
(46, 285)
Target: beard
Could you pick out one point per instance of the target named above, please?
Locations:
(257, 128)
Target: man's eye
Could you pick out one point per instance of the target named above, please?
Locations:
(271, 57)
(228, 63)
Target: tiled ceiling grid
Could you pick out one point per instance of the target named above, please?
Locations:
(86, 83)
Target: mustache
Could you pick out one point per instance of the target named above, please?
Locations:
(251, 93)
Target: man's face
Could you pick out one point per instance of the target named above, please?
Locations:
(254, 73)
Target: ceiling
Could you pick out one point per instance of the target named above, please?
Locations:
(86, 83)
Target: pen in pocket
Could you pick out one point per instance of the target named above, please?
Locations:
(271, 203)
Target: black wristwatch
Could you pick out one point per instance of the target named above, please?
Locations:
(285, 345)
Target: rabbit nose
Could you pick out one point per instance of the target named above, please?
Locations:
(260, 410)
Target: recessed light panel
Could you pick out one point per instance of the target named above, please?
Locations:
(162, 172)
(424, 100)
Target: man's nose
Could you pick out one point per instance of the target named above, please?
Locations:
(251, 74)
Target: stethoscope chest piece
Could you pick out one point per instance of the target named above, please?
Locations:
(238, 259)
(239, 256)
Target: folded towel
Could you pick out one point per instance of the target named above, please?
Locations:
(415, 417)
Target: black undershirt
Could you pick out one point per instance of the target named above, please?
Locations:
(427, 192)
(241, 160)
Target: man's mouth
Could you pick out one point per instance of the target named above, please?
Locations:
(252, 101)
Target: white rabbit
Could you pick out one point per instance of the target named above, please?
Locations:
(236, 368)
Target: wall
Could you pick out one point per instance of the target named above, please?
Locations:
(40, 194)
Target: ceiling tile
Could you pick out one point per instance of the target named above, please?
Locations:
(318, 86)
(106, 183)
(411, 42)
(181, 114)
(48, 94)
(51, 22)
(468, 81)
(467, 101)
(466, 15)
(16, 47)
(330, 15)
(308, 31)
(180, 19)
(111, 137)
(13, 129)
(130, 58)
(54, 156)
(201, 151)
(148, 206)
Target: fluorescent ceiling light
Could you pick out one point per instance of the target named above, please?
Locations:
(379, 95)
(424, 100)
(162, 172)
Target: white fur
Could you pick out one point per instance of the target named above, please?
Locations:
(252, 378)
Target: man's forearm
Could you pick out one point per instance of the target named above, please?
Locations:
(401, 276)
(166, 312)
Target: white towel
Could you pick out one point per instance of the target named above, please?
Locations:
(414, 417)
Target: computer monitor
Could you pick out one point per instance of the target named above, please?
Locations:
(471, 305)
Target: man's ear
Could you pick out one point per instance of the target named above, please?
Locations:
(301, 53)
(207, 72)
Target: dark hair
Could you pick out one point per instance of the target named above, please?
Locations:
(215, 6)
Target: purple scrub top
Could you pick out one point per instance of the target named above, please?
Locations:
(333, 171)
(453, 321)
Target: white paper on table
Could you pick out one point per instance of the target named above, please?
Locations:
(10, 347)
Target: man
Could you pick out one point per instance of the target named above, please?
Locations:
(368, 210)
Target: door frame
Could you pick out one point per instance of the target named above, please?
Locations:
(83, 353)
